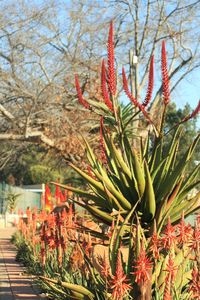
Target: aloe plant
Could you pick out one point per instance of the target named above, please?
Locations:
(162, 266)
(140, 193)
(125, 176)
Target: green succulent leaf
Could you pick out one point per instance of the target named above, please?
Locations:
(73, 287)
(148, 200)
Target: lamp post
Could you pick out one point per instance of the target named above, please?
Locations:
(133, 60)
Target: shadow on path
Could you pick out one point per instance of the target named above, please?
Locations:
(14, 283)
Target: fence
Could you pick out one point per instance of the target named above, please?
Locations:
(25, 198)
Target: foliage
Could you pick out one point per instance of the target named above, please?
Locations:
(75, 262)
(11, 200)
(35, 166)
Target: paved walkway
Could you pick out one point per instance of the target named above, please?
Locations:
(14, 283)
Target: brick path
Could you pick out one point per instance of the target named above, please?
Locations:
(14, 283)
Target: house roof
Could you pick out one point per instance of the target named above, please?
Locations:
(34, 187)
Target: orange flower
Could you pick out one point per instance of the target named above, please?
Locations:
(169, 280)
(194, 113)
(150, 83)
(105, 268)
(169, 237)
(133, 100)
(80, 95)
(165, 77)
(119, 283)
(155, 243)
(184, 231)
(195, 283)
(104, 90)
(143, 267)
(111, 61)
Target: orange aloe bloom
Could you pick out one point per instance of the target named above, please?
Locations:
(150, 83)
(105, 93)
(80, 95)
(195, 284)
(194, 241)
(171, 269)
(155, 244)
(105, 268)
(143, 267)
(119, 281)
(192, 115)
(169, 237)
(167, 290)
(133, 100)
(165, 77)
(111, 62)
(184, 231)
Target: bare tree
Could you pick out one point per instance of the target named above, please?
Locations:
(37, 99)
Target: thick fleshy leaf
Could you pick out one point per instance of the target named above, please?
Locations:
(188, 206)
(169, 161)
(118, 234)
(170, 182)
(148, 200)
(73, 287)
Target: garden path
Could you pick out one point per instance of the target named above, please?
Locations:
(15, 284)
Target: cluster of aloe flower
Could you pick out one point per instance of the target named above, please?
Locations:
(139, 195)
(53, 242)
(77, 262)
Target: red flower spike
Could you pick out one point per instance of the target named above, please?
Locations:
(150, 83)
(119, 283)
(146, 115)
(79, 94)
(195, 283)
(171, 268)
(194, 242)
(155, 243)
(165, 78)
(184, 231)
(126, 89)
(105, 268)
(169, 237)
(111, 62)
(105, 93)
(143, 267)
(193, 114)
(133, 100)
(167, 290)
(170, 278)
